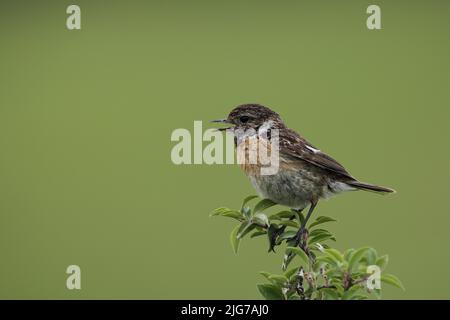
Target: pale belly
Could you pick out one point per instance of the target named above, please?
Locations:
(295, 189)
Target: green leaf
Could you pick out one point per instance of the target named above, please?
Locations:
(219, 210)
(317, 232)
(300, 217)
(281, 215)
(287, 235)
(321, 238)
(257, 234)
(330, 293)
(338, 284)
(318, 246)
(279, 280)
(335, 274)
(351, 292)
(348, 253)
(261, 219)
(225, 212)
(356, 257)
(334, 254)
(382, 262)
(290, 223)
(299, 252)
(265, 274)
(270, 291)
(287, 258)
(327, 259)
(245, 228)
(247, 200)
(247, 213)
(288, 274)
(234, 239)
(317, 265)
(233, 214)
(320, 220)
(371, 256)
(392, 280)
(263, 205)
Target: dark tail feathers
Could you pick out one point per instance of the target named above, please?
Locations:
(369, 187)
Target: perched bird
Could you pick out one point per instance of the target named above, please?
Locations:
(305, 173)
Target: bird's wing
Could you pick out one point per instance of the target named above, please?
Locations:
(298, 147)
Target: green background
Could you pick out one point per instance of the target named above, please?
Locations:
(86, 117)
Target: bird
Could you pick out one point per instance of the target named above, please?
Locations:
(305, 174)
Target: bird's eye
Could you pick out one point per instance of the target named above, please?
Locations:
(244, 119)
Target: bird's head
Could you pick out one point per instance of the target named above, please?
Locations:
(252, 116)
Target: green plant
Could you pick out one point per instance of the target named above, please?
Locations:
(322, 272)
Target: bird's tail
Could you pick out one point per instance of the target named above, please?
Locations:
(369, 187)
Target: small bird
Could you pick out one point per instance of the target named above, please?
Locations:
(305, 173)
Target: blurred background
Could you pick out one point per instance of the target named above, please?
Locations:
(86, 118)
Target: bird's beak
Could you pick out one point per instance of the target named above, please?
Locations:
(221, 121)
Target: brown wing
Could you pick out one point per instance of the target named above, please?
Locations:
(298, 147)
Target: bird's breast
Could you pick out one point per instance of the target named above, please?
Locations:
(252, 154)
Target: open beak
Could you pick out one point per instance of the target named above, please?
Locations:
(221, 121)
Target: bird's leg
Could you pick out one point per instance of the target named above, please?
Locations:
(300, 239)
(301, 232)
